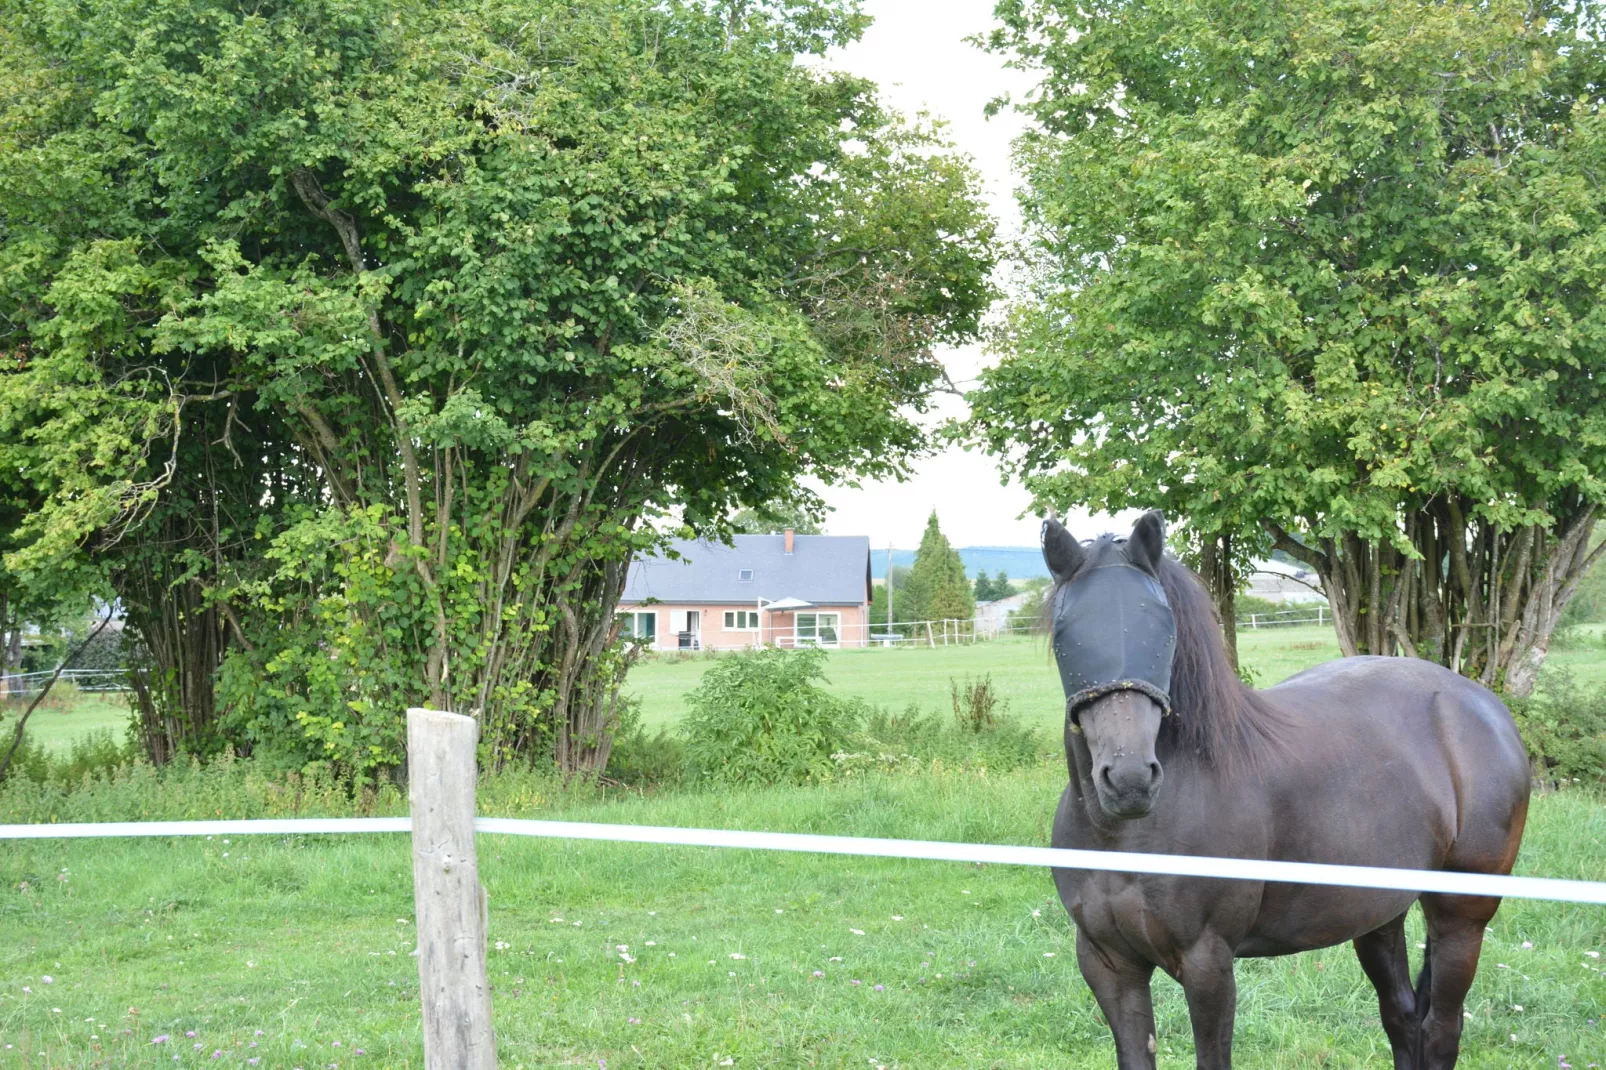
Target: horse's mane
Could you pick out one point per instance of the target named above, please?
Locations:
(1213, 713)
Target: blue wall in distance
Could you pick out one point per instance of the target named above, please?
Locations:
(1021, 562)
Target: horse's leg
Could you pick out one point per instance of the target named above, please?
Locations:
(1455, 936)
(1212, 991)
(1387, 965)
(1121, 986)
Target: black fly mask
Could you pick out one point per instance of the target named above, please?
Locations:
(1113, 631)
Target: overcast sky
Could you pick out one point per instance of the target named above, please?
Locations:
(916, 52)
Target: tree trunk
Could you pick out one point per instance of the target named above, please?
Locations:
(1221, 580)
(173, 670)
(1472, 596)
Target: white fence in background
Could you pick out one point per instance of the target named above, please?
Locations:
(1288, 618)
(28, 684)
(907, 634)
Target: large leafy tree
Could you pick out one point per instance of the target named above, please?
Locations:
(457, 296)
(1324, 276)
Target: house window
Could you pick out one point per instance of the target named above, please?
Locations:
(818, 629)
(741, 620)
(642, 627)
(745, 575)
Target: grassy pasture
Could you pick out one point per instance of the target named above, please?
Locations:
(1022, 671)
(765, 960)
(737, 955)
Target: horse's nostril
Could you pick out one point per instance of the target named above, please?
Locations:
(1109, 781)
(1154, 771)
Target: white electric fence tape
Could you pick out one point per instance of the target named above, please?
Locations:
(1405, 880)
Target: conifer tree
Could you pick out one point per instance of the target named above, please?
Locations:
(939, 577)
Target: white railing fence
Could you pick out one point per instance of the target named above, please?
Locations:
(920, 634)
(450, 905)
(28, 684)
(1288, 618)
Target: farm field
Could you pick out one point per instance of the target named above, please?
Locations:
(56, 727)
(1022, 672)
(295, 951)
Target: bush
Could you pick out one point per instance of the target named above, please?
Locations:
(1244, 605)
(976, 705)
(911, 739)
(760, 717)
(641, 759)
(1563, 728)
(98, 754)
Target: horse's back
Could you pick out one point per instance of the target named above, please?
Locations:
(1402, 729)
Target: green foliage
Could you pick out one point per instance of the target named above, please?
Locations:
(1245, 605)
(905, 601)
(382, 330)
(761, 717)
(1563, 725)
(990, 589)
(937, 581)
(932, 740)
(976, 705)
(1326, 274)
(97, 754)
(777, 516)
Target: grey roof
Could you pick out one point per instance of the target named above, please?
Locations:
(823, 569)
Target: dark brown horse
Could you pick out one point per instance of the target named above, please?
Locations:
(1361, 761)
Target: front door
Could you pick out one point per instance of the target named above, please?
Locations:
(694, 627)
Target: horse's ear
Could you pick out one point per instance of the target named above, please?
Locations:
(1147, 544)
(1061, 552)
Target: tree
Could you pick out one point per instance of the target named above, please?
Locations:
(937, 580)
(386, 327)
(904, 602)
(990, 589)
(775, 516)
(1323, 277)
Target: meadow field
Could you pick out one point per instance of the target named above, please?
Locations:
(294, 951)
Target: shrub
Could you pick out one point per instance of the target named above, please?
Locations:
(1244, 605)
(910, 738)
(641, 759)
(97, 754)
(760, 717)
(1563, 728)
(976, 705)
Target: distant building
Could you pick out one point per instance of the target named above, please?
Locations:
(785, 589)
(992, 618)
(1279, 581)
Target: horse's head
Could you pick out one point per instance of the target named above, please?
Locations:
(1114, 637)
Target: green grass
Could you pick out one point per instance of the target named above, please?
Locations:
(307, 940)
(57, 727)
(1022, 672)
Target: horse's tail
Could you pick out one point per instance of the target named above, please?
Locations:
(1424, 982)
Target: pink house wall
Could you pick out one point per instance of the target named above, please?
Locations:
(777, 627)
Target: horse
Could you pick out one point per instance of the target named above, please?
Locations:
(1368, 761)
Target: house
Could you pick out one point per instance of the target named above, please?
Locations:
(786, 589)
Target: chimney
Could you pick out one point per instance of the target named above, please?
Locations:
(789, 539)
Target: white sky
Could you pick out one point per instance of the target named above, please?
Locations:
(916, 52)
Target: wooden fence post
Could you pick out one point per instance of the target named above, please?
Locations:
(448, 900)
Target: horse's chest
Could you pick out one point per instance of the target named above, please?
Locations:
(1119, 911)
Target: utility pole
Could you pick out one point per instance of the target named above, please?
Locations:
(889, 588)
